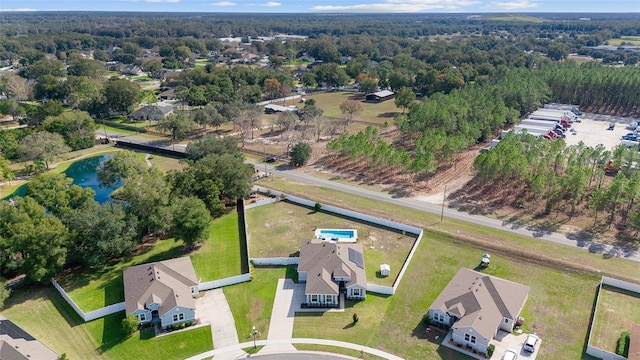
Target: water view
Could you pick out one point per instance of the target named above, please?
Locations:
(84, 174)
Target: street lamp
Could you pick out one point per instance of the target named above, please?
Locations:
(255, 333)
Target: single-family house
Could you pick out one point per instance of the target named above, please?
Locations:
(634, 343)
(380, 96)
(161, 291)
(476, 306)
(150, 113)
(17, 344)
(330, 269)
(169, 94)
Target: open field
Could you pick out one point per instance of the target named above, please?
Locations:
(617, 312)
(629, 40)
(44, 314)
(276, 230)
(395, 323)
(377, 113)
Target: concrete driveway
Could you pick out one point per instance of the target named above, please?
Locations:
(506, 340)
(213, 308)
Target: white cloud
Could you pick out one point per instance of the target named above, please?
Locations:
(17, 10)
(511, 5)
(162, 1)
(223, 3)
(272, 4)
(398, 6)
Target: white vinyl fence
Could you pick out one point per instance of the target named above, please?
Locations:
(281, 261)
(91, 315)
(620, 284)
(214, 284)
(260, 203)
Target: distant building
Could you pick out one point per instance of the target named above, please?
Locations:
(169, 94)
(272, 109)
(380, 96)
(150, 113)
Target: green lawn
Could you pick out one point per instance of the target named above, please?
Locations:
(95, 289)
(378, 113)
(617, 312)
(44, 314)
(165, 163)
(276, 230)
(630, 40)
(219, 257)
(251, 302)
(338, 350)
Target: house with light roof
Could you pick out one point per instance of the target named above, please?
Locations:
(161, 292)
(475, 307)
(331, 269)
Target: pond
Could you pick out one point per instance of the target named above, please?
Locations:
(84, 174)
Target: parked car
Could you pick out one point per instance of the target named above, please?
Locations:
(510, 355)
(612, 126)
(632, 126)
(631, 137)
(270, 159)
(530, 343)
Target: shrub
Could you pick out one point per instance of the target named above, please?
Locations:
(300, 154)
(129, 325)
(355, 318)
(490, 350)
(317, 206)
(623, 344)
(182, 326)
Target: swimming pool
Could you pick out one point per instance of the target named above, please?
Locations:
(342, 235)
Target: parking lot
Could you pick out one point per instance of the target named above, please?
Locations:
(593, 130)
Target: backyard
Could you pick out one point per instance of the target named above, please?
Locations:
(217, 258)
(277, 230)
(617, 312)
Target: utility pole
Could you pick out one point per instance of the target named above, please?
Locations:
(444, 197)
(264, 149)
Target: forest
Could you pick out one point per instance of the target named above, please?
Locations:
(459, 82)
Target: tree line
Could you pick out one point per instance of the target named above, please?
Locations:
(59, 225)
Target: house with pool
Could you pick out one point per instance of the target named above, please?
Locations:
(332, 270)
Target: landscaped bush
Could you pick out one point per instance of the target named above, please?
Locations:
(623, 344)
(129, 325)
(490, 350)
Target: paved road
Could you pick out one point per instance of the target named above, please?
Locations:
(453, 213)
(300, 356)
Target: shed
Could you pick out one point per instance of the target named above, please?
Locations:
(380, 96)
(385, 269)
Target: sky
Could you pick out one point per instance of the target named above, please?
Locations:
(325, 6)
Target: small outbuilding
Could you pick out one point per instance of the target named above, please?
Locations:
(272, 109)
(380, 96)
(385, 269)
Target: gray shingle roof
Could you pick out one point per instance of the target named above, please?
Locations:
(324, 260)
(481, 301)
(166, 283)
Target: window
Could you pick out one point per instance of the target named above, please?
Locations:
(466, 337)
(506, 321)
(473, 339)
(328, 298)
(142, 317)
(178, 317)
(314, 298)
(356, 292)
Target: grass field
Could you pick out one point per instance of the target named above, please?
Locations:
(276, 230)
(338, 350)
(251, 302)
(617, 312)
(44, 314)
(629, 40)
(377, 113)
(219, 256)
